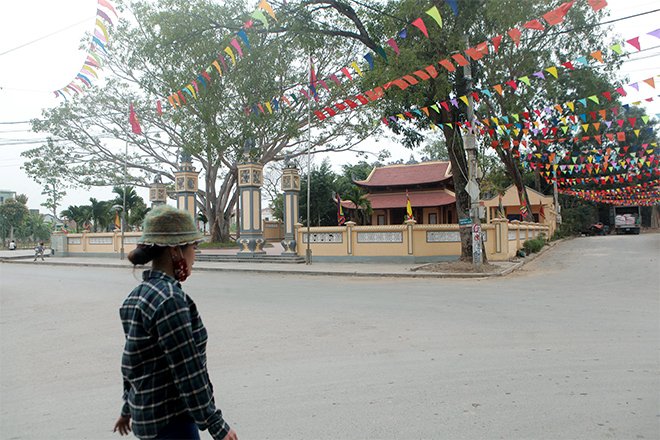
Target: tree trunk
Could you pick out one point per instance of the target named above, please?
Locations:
(507, 158)
(459, 168)
(655, 217)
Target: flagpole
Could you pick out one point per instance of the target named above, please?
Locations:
(123, 220)
(308, 255)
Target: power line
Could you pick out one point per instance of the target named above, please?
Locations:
(45, 36)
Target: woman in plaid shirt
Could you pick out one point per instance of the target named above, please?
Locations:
(167, 391)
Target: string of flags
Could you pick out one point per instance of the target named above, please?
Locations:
(92, 62)
(345, 73)
(646, 194)
(600, 138)
(476, 53)
(232, 51)
(515, 86)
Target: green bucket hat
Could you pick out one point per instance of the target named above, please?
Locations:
(168, 226)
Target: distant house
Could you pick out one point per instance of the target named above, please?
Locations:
(511, 205)
(430, 189)
(6, 195)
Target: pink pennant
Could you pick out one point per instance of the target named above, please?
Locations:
(159, 108)
(335, 79)
(345, 72)
(420, 24)
(634, 43)
(238, 48)
(621, 91)
(248, 24)
(109, 6)
(392, 43)
(322, 82)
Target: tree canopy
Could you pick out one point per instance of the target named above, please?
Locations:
(155, 54)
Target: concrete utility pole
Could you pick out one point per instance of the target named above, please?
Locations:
(470, 143)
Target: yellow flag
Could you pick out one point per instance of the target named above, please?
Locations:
(355, 66)
(231, 54)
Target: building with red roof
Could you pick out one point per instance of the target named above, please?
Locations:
(430, 188)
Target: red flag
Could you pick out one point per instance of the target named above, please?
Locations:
(557, 16)
(135, 125)
(597, 4)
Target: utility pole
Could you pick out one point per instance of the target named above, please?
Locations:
(308, 253)
(554, 189)
(470, 143)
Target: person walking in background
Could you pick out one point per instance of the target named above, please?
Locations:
(167, 390)
(39, 252)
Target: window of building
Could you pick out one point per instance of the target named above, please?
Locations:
(433, 219)
(381, 219)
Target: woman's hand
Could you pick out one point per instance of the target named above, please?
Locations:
(231, 435)
(123, 425)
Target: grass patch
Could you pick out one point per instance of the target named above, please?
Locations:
(217, 245)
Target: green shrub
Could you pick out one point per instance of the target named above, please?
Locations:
(558, 234)
(535, 244)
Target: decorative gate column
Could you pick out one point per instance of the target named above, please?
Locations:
(157, 192)
(186, 186)
(249, 185)
(291, 188)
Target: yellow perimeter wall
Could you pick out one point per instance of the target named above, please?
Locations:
(412, 242)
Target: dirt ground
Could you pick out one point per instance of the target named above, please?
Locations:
(456, 267)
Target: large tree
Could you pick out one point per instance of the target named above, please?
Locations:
(164, 47)
(371, 24)
(12, 214)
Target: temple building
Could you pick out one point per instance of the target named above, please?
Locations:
(430, 189)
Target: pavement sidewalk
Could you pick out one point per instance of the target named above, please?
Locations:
(401, 270)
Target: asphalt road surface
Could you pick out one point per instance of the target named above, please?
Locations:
(565, 348)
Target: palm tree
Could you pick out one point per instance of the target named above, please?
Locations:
(133, 203)
(78, 214)
(99, 213)
(357, 196)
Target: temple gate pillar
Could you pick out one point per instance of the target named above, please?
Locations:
(186, 186)
(291, 188)
(157, 192)
(249, 184)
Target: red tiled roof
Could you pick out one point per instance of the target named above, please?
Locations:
(408, 175)
(417, 200)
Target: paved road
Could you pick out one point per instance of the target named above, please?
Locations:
(565, 348)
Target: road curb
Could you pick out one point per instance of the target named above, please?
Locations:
(265, 270)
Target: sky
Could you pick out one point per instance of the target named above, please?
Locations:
(39, 53)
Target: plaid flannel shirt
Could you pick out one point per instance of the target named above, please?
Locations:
(164, 360)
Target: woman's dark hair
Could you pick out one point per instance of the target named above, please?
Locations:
(144, 254)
